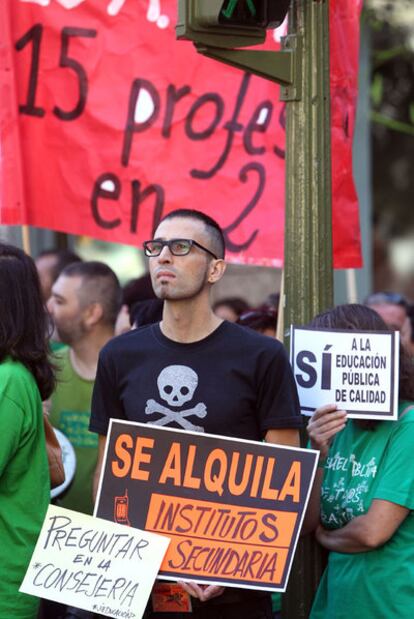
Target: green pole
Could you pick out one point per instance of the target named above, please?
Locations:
(308, 227)
(308, 275)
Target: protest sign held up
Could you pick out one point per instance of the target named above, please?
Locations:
(93, 564)
(232, 508)
(356, 370)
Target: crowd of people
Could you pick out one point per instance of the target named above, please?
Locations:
(77, 347)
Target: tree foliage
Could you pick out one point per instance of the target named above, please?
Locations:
(392, 104)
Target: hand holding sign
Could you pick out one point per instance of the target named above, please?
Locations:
(323, 425)
(202, 592)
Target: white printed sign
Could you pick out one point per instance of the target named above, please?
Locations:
(357, 370)
(94, 564)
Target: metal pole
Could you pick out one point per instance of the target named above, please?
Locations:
(308, 229)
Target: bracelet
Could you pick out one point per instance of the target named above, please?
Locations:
(321, 463)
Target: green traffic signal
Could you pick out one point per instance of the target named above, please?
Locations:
(253, 13)
(228, 10)
(205, 23)
(229, 23)
(242, 13)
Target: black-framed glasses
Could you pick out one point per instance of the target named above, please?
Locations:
(178, 247)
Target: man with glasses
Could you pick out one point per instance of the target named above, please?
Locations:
(235, 382)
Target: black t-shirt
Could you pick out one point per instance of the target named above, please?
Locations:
(235, 382)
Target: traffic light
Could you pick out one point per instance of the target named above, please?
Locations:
(229, 23)
(253, 13)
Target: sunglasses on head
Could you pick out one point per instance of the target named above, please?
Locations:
(378, 298)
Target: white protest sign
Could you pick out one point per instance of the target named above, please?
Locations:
(94, 564)
(357, 370)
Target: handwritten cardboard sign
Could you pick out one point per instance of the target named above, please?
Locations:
(110, 123)
(232, 508)
(94, 564)
(358, 370)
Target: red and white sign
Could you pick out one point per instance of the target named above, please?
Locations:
(107, 123)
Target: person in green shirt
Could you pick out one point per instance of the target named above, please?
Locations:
(26, 377)
(70, 407)
(84, 304)
(363, 498)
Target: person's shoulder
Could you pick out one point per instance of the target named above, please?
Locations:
(12, 367)
(251, 338)
(61, 353)
(127, 341)
(60, 357)
(406, 412)
(15, 376)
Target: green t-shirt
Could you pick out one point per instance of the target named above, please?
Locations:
(70, 413)
(364, 465)
(24, 484)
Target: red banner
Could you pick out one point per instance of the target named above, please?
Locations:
(107, 123)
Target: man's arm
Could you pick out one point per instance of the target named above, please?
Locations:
(283, 436)
(97, 474)
(366, 532)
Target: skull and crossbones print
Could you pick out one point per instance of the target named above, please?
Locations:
(176, 386)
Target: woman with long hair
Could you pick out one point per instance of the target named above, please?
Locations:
(26, 378)
(363, 497)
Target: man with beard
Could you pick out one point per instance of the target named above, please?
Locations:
(84, 305)
(243, 379)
